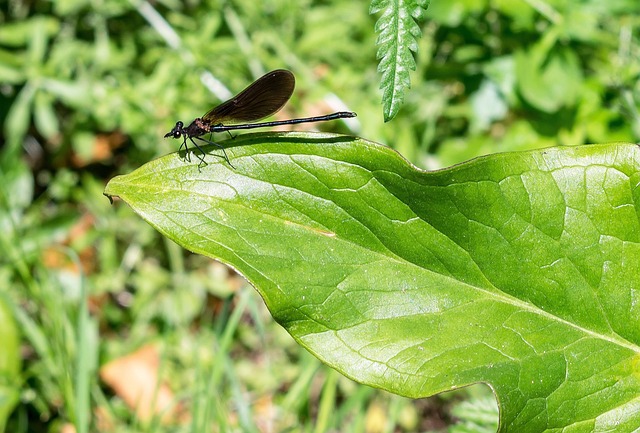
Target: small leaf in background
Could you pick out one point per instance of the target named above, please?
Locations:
(16, 189)
(549, 78)
(18, 119)
(488, 105)
(136, 379)
(37, 43)
(376, 418)
(397, 34)
(502, 73)
(518, 270)
(84, 147)
(74, 93)
(44, 115)
(21, 33)
(10, 73)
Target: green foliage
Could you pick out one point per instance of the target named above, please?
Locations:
(10, 363)
(87, 89)
(518, 270)
(487, 73)
(398, 32)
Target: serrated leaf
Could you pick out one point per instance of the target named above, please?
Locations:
(519, 270)
(397, 39)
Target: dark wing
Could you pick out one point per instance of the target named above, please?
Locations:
(264, 97)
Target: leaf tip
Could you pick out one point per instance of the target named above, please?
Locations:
(109, 196)
(113, 188)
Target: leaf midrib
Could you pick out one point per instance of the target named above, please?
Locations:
(498, 295)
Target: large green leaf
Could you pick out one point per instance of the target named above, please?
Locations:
(519, 270)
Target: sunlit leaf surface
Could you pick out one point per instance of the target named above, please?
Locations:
(519, 270)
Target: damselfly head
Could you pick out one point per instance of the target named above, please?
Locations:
(176, 132)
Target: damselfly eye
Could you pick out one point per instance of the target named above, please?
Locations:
(176, 134)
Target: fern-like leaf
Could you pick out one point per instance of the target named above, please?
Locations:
(398, 32)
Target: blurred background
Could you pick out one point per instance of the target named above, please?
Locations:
(106, 326)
